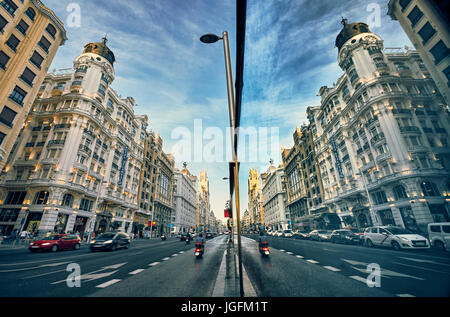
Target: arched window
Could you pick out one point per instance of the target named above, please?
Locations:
(67, 200)
(429, 189)
(51, 30)
(399, 192)
(41, 198)
(31, 13)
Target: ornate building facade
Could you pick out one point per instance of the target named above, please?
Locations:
(30, 35)
(382, 137)
(185, 215)
(77, 162)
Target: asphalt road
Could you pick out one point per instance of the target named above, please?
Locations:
(147, 268)
(309, 268)
(295, 268)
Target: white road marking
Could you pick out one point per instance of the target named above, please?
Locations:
(332, 268)
(181, 252)
(109, 283)
(405, 295)
(289, 253)
(89, 277)
(312, 261)
(154, 263)
(165, 259)
(175, 254)
(281, 250)
(136, 271)
(299, 256)
(359, 278)
(28, 277)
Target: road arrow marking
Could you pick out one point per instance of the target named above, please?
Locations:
(423, 261)
(107, 283)
(92, 276)
(359, 278)
(332, 268)
(35, 267)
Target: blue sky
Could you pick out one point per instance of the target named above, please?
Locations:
(176, 79)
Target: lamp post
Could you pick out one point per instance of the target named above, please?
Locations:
(372, 215)
(209, 39)
(93, 219)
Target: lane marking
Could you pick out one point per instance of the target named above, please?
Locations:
(109, 283)
(28, 277)
(165, 259)
(358, 278)
(181, 252)
(289, 253)
(154, 263)
(405, 295)
(136, 271)
(281, 250)
(174, 254)
(299, 256)
(312, 261)
(332, 268)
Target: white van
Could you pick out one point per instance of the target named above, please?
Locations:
(439, 235)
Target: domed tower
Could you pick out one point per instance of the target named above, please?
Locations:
(360, 52)
(94, 69)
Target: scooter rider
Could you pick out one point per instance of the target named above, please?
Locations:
(262, 238)
(201, 240)
(188, 238)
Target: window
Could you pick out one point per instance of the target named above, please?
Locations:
(44, 44)
(67, 200)
(7, 116)
(439, 51)
(379, 197)
(3, 22)
(429, 189)
(399, 192)
(427, 32)
(86, 204)
(51, 30)
(415, 16)
(13, 42)
(15, 198)
(22, 27)
(28, 76)
(446, 228)
(404, 4)
(4, 59)
(9, 6)
(31, 13)
(2, 137)
(37, 59)
(41, 198)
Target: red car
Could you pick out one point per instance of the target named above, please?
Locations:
(56, 242)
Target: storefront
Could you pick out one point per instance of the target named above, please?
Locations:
(61, 223)
(409, 220)
(362, 216)
(80, 225)
(439, 212)
(8, 217)
(386, 216)
(33, 221)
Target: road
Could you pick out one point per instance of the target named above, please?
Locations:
(306, 268)
(295, 268)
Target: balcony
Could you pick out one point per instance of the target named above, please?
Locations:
(383, 157)
(56, 142)
(76, 83)
(410, 129)
(401, 111)
(62, 126)
(85, 149)
(88, 132)
(368, 166)
(381, 65)
(377, 138)
(417, 148)
(372, 120)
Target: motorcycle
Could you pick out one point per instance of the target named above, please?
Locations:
(264, 248)
(199, 249)
(188, 240)
(163, 237)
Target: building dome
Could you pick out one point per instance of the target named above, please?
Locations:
(349, 31)
(100, 49)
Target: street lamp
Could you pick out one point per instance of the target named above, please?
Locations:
(93, 219)
(209, 39)
(371, 211)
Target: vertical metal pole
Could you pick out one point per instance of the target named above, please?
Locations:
(231, 106)
(371, 211)
(95, 211)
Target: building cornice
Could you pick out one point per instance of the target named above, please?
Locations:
(52, 16)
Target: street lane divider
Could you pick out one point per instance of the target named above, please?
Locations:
(154, 263)
(109, 283)
(136, 271)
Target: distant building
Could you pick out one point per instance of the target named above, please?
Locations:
(427, 25)
(30, 37)
(185, 214)
(255, 200)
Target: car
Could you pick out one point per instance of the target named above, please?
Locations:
(344, 236)
(209, 235)
(110, 241)
(439, 235)
(56, 242)
(287, 233)
(396, 237)
(301, 234)
(357, 231)
(320, 235)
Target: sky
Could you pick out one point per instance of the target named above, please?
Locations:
(176, 80)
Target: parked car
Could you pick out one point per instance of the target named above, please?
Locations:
(344, 236)
(209, 235)
(357, 231)
(301, 234)
(110, 241)
(439, 235)
(320, 235)
(56, 242)
(396, 237)
(287, 233)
